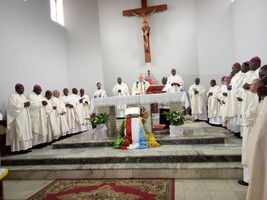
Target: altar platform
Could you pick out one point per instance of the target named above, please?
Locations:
(203, 152)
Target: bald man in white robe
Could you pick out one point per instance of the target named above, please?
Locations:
(59, 106)
(214, 104)
(222, 98)
(78, 110)
(243, 94)
(86, 102)
(19, 125)
(197, 94)
(53, 126)
(38, 116)
(233, 105)
(120, 89)
(176, 81)
(71, 119)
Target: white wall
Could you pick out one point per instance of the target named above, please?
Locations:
(215, 39)
(32, 49)
(250, 29)
(83, 44)
(173, 41)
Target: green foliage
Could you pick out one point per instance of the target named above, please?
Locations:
(176, 118)
(99, 118)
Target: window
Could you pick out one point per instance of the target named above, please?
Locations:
(56, 11)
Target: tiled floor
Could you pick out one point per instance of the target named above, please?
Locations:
(185, 189)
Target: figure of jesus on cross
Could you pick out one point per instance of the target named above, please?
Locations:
(144, 13)
(145, 28)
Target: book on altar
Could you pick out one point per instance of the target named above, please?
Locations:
(135, 111)
(153, 89)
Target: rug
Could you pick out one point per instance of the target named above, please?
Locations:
(111, 189)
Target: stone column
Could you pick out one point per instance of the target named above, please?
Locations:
(111, 124)
(148, 124)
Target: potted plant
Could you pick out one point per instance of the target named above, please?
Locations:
(98, 122)
(177, 120)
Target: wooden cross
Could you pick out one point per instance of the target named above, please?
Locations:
(144, 12)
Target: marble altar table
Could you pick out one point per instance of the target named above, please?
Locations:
(175, 100)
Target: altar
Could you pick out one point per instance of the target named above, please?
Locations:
(175, 101)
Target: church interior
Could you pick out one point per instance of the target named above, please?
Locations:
(76, 44)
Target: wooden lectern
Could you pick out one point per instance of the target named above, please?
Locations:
(155, 89)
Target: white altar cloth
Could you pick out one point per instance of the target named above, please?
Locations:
(142, 99)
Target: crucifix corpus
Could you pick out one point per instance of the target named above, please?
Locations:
(144, 12)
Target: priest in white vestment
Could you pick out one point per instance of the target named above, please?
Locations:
(19, 125)
(248, 121)
(78, 110)
(120, 89)
(100, 93)
(255, 66)
(86, 102)
(71, 119)
(53, 126)
(176, 81)
(38, 116)
(223, 97)
(214, 104)
(257, 147)
(197, 99)
(237, 80)
(167, 87)
(60, 107)
(244, 95)
(232, 107)
(140, 87)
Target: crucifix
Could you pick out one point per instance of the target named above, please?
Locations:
(144, 12)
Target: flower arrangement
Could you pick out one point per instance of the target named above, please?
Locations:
(99, 118)
(176, 118)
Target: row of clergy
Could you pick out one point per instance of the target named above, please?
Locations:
(226, 103)
(73, 109)
(253, 127)
(240, 105)
(141, 85)
(37, 120)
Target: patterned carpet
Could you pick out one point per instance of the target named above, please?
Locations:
(112, 189)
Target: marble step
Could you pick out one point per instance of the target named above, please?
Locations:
(206, 135)
(107, 155)
(214, 170)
